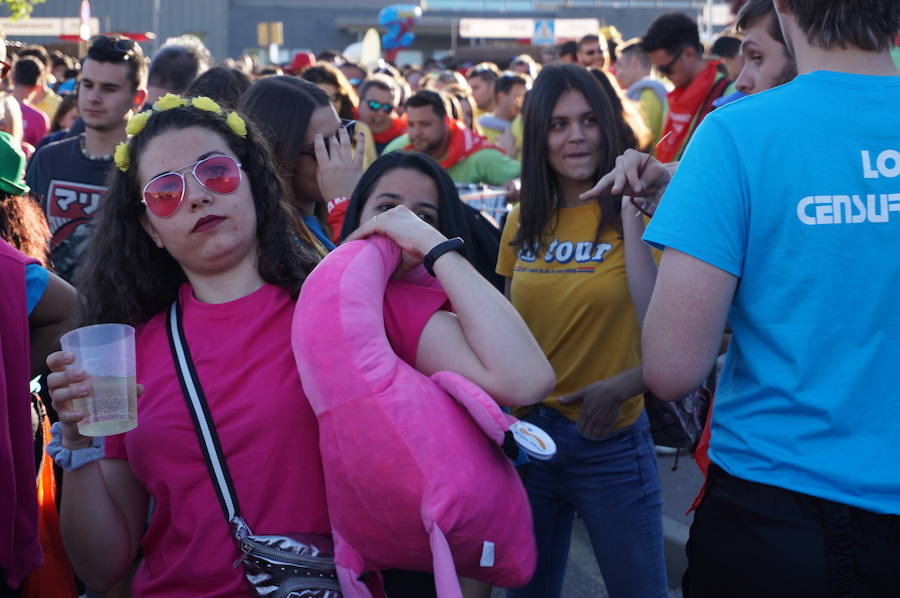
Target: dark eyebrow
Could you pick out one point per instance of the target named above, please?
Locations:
(201, 157)
(389, 196)
(396, 197)
(565, 117)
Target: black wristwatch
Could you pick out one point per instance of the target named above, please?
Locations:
(454, 244)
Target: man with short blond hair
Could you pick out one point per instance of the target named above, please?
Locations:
(633, 74)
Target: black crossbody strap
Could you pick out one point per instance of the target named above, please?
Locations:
(203, 422)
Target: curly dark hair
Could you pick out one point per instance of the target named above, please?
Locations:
(23, 225)
(128, 279)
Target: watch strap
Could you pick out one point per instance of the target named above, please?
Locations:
(454, 244)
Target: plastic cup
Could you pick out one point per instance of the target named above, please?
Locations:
(106, 354)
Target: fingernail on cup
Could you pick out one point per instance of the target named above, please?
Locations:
(106, 354)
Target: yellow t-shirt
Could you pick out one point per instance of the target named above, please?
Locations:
(573, 294)
(369, 154)
(653, 111)
(49, 104)
(518, 130)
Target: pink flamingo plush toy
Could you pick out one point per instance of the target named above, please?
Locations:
(414, 472)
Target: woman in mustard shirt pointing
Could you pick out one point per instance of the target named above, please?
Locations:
(579, 275)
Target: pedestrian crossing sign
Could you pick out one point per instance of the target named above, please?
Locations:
(543, 33)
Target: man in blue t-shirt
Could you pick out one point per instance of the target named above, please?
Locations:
(783, 220)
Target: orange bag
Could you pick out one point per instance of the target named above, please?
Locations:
(55, 579)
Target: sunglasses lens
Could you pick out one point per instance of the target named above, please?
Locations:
(163, 194)
(219, 174)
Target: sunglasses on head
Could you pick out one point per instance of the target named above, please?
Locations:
(376, 106)
(164, 193)
(666, 69)
(124, 47)
(347, 125)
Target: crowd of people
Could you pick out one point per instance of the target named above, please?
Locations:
(600, 227)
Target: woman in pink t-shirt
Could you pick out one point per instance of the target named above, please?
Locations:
(194, 214)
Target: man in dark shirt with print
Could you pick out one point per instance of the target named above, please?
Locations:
(69, 177)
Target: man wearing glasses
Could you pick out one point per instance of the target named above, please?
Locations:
(69, 176)
(672, 44)
(378, 99)
(592, 51)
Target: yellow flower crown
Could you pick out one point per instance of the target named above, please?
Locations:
(137, 122)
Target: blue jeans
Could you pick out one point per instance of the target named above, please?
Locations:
(614, 485)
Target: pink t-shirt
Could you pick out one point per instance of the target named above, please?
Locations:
(36, 124)
(268, 433)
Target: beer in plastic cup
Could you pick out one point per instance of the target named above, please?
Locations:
(106, 354)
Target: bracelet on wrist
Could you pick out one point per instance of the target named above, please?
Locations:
(71, 459)
(454, 244)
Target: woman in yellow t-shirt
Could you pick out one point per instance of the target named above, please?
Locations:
(572, 268)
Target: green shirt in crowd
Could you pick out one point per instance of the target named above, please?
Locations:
(489, 166)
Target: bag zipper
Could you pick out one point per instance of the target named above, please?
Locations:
(285, 557)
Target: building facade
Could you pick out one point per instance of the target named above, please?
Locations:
(228, 27)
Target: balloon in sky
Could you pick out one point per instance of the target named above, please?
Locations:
(399, 20)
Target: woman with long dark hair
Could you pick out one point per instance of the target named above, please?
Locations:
(223, 84)
(195, 214)
(332, 81)
(576, 270)
(311, 145)
(418, 182)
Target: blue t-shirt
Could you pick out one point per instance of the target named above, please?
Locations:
(316, 228)
(796, 192)
(36, 279)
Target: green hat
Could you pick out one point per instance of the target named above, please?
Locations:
(12, 166)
